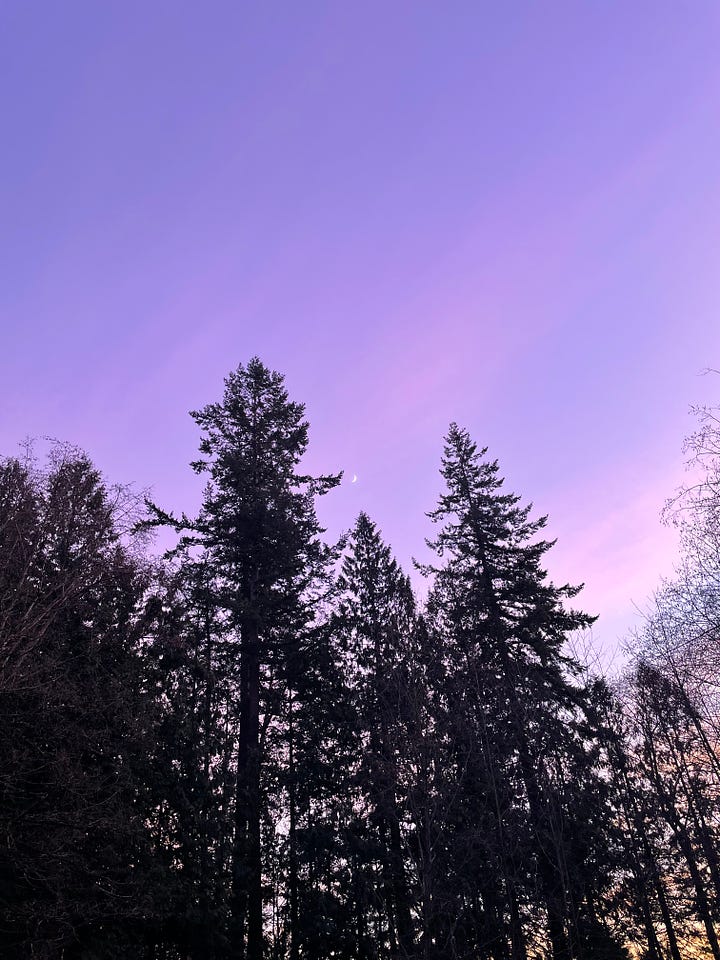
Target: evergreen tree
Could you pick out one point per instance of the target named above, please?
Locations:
(259, 537)
(376, 625)
(505, 625)
(77, 723)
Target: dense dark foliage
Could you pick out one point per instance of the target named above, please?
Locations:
(261, 746)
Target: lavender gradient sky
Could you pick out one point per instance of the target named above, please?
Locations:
(503, 214)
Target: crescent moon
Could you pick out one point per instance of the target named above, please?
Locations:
(354, 479)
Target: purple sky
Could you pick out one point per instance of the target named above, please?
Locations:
(503, 214)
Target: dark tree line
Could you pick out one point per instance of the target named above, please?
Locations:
(262, 746)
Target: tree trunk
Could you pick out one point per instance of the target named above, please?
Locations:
(292, 840)
(247, 940)
(634, 816)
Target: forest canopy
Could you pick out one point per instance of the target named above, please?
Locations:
(262, 746)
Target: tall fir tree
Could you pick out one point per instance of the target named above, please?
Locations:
(260, 537)
(506, 625)
(375, 623)
(77, 722)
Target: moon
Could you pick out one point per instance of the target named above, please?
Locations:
(354, 479)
